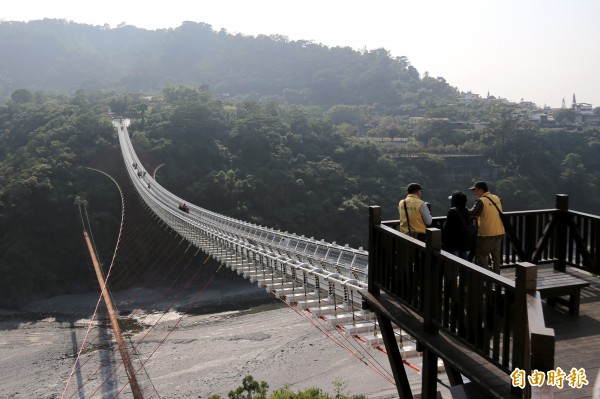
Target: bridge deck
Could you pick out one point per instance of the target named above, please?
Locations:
(578, 338)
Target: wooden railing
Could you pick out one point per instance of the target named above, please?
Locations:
(558, 236)
(497, 318)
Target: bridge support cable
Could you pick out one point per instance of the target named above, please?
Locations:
(141, 340)
(135, 389)
(122, 231)
(352, 263)
(366, 358)
(67, 383)
(303, 271)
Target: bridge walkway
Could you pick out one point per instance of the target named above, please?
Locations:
(318, 277)
(324, 277)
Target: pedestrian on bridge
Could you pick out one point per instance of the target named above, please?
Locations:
(459, 234)
(487, 210)
(415, 214)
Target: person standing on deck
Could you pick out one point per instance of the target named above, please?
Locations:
(414, 212)
(457, 236)
(491, 232)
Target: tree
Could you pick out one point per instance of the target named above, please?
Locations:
(250, 389)
(21, 96)
(564, 116)
(574, 171)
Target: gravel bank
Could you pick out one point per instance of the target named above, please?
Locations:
(208, 353)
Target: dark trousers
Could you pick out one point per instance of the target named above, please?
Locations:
(487, 246)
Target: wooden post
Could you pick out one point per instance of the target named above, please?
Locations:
(395, 358)
(374, 220)
(430, 293)
(560, 232)
(430, 296)
(529, 236)
(135, 389)
(525, 281)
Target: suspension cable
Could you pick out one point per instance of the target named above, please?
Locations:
(106, 280)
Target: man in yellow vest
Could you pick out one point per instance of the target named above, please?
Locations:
(487, 210)
(414, 212)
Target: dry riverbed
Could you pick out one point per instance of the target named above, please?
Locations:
(210, 351)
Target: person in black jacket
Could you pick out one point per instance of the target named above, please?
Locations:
(457, 233)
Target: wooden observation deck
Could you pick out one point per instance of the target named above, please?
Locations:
(542, 313)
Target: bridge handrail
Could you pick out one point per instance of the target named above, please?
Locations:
(348, 268)
(495, 317)
(462, 294)
(559, 235)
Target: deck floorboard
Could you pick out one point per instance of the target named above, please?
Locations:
(577, 337)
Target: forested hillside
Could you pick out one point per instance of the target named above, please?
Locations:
(288, 134)
(55, 55)
(296, 168)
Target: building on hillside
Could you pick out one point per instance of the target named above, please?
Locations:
(584, 113)
(468, 98)
(542, 119)
(528, 105)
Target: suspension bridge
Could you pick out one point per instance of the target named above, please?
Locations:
(320, 280)
(318, 276)
(476, 326)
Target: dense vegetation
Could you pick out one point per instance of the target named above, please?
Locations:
(287, 167)
(65, 56)
(306, 139)
(252, 389)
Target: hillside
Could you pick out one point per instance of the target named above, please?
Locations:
(283, 166)
(56, 55)
(291, 135)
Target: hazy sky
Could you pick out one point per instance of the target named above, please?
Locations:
(538, 50)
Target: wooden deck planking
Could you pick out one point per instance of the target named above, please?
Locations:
(557, 287)
(578, 338)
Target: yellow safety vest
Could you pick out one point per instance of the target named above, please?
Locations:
(489, 221)
(413, 206)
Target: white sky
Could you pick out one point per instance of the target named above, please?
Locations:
(538, 50)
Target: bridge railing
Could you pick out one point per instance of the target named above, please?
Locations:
(472, 304)
(559, 236)
(486, 312)
(582, 249)
(338, 268)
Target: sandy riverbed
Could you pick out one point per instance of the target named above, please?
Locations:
(208, 353)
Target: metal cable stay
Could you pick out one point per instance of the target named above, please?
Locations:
(230, 240)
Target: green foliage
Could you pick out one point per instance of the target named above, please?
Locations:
(42, 147)
(21, 96)
(308, 393)
(58, 55)
(288, 167)
(250, 389)
(564, 116)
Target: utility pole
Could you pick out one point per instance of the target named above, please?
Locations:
(135, 389)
